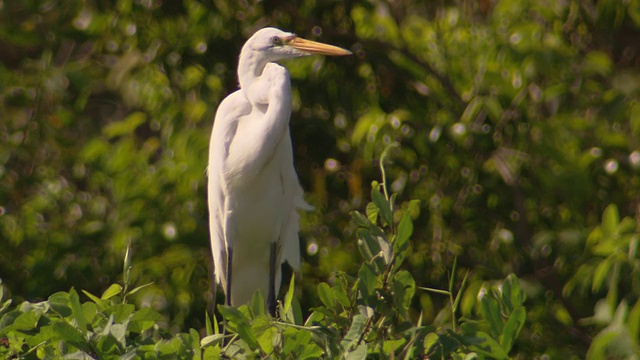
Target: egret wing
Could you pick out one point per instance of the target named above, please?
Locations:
(224, 130)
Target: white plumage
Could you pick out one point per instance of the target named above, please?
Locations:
(253, 188)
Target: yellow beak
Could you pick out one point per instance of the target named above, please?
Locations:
(313, 47)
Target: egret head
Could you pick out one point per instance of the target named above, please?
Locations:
(274, 44)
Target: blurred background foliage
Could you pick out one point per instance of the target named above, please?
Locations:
(519, 124)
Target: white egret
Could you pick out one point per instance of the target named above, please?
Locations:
(253, 188)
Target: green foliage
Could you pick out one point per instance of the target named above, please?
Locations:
(371, 315)
(103, 327)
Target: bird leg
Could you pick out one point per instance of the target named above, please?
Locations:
(271, 298)
(227, 291)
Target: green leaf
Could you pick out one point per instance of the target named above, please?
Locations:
(138, 288)
(240, 323)
(485, 344)
(404, 287)
(27, 321)
(297, 311)
(5, 305)
(340, 293)
(257, 304)
(265, 333)
(491, 313)
(144, 319)
(600, 274)
(372, 212)
(361, 220)
(512, 328)
(113, 290)
(121, 312)
(516, 295)
(125, 126)
(101, 304)
(289, 296)
(71, 335)
(78, 311)
(207, 324)
(405, 230)
(383, 205)
(212, 340)
(60, 303)
(391, 346)
(374, 249)
(366, 281)
(430, 340)
(7, 320)
(610, 220)
(326, 295)
(355, 332)
(633, 322)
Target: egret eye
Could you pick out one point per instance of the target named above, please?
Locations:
(276, 41)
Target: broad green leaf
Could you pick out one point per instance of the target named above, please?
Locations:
(340, 293)
(311, 351)
(195, 343)
(316, 316)
(27, 321)
(296, 309)
(144, 319)
(383, 205)
(491, 313)
(366, 281)
(90, 310)
(113, 290)
(610, 220)
(326, 295)
(121, 312)
(361, 220)
(7, 320)
(391, 346)
(516, 295)
(374, 249)
(78, 311)
(430, 340)
(485, 344)
(512, 328)
(60, 303)
(212, 353)
(405, 230)
(239, 323)
(71, 335)
(404, 287)
(265, 333)
(359, 353)
(372, 212)
(356, 330)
